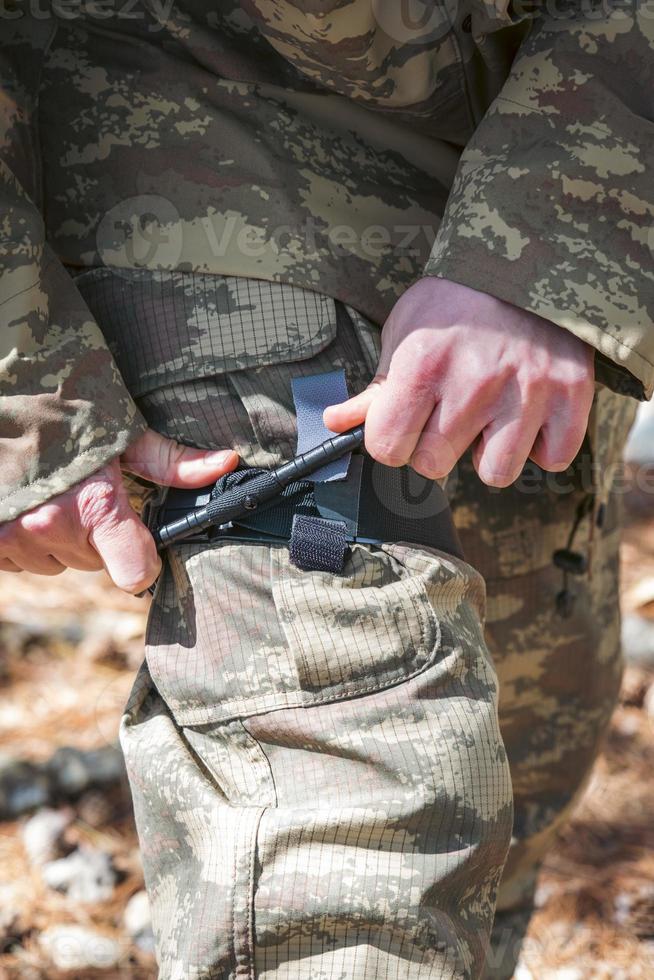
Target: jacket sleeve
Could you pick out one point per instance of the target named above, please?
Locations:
(552, 208)
(64, 410)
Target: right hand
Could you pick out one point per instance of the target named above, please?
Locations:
(92, 525)
(462, 368)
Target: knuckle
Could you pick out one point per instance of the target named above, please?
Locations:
(421, 377)
(40, 521)
(423, 372)
(97, 503)
(575, 380)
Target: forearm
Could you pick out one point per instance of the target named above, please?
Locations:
(553, 205)
(64, 410)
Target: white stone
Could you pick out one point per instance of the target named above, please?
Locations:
(72, 947)
(137, 916)
(138, 922)
(86, 875)
(638, 640)
(43, 832)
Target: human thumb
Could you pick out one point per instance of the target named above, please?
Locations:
(112, 528)
(171, 464)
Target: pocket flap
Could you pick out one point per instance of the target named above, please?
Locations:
(235, 630)
(168, 327)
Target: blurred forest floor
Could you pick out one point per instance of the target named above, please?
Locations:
(69, 647)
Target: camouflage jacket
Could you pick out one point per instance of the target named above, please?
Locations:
(320, 144)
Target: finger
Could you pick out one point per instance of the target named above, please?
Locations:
(84, 558)
(561, 437)
(444, 439)
(122, 541)
(7, 565)
(53, 530)
(503, 449)
(340, 417)
(39, 564)
(396, 419)
(128, 553)
(171, 464)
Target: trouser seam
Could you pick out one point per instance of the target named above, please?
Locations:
(273, 786)
(246, 968)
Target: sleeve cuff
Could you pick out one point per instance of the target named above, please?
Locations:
(77, 468)
(635, 371)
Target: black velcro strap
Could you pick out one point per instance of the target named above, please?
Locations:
(317, 544)
(374, 504)
(398, 504)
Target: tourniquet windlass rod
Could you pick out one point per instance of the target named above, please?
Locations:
(246, 497)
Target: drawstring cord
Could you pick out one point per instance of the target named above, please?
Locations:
(572, 562)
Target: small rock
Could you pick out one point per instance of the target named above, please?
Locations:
(114, 639)
(638, 640)
(634, 686)
(43, 834)
(87, 875)
(94, 808)
(107, 765)
(103, 650)
(69, 770)
(23, 787)
(137, 913)
(544, 893)
(73, 771)
(138, 922)
(627, 723)
(635, 910)
(73, 947)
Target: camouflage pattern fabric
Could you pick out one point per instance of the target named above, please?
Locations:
(314, 145)
(558, 166)
(247, 693)
(559, 676)
(318, 146)
(319, 781)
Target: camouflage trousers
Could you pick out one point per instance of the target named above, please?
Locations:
(320, 783)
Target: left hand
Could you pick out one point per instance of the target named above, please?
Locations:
(92, 526)
(461, 368)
